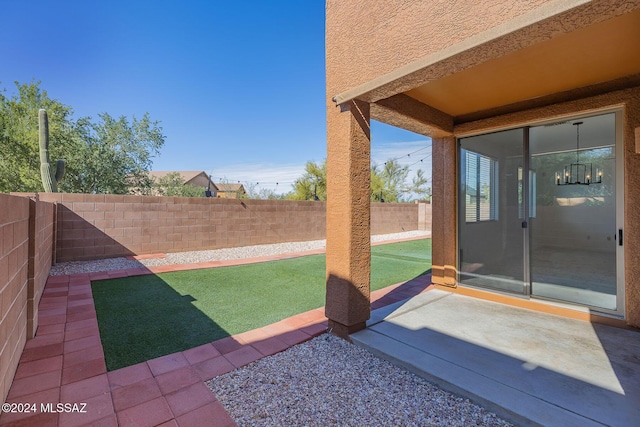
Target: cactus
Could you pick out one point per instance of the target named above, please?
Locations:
(50, 178)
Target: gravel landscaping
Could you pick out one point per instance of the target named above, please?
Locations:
(242, 252)
(329, 382)
(323, 382)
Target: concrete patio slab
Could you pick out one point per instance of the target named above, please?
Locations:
(530, 367)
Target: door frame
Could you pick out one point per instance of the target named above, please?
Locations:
(618, 111)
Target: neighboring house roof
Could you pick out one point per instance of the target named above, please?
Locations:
(228, 188)
(198, 178)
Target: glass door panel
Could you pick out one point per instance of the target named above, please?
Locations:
(573, 231)
(491, 237)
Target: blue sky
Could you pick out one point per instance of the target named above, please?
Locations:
(239, 87)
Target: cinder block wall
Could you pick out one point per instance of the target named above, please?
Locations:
(102, 226)
(14, 241)
(393, 217)
(424, 216)
(41, 243)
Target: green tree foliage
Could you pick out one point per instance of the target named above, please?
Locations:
(419, 186)
(104, 156)
(312, 185)
(387, 182)
(172, 185)
(117, 155)
(19, 149)
(377, 185)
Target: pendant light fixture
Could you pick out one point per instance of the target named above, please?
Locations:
(578, 173)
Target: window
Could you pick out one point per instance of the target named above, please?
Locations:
(481, 187)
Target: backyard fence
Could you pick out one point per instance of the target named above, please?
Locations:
(26, 243)
(91, 226)
(38, 230)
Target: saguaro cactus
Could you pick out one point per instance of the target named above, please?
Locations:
(50, 178)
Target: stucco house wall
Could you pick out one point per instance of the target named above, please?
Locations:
(392, 34)
(378, 51)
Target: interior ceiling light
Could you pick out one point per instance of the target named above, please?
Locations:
(578, 173)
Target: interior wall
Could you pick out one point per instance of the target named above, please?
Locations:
(574, 227)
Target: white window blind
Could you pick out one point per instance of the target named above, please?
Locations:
(481, 188)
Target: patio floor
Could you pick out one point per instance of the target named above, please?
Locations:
(65, 362)
(529, 367)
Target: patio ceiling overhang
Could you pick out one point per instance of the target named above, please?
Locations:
(563, 51)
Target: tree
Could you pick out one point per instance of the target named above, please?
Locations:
(19, 150)
(419, 186)
(117, 155)
(377, 185)
(267, 194)
(173, 185)
(104, 156)
(252, 192)
(312, 185)
(388, 182)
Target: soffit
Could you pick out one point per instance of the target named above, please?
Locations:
(591, 55)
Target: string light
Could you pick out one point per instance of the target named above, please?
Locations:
(277, 183)
(420, 161)
(409, 155)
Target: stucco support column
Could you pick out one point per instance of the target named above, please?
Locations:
(631, 239)
(348, 217)
(444, 204)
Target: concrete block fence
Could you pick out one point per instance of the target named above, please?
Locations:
(26, 248)
(38, 230)
(93, 226)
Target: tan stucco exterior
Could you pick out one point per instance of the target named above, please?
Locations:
(447, 69)
(348, 218)
(229, 191)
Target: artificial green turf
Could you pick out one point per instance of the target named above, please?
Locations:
(144, 317)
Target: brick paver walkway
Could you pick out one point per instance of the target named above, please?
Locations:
(65, 363)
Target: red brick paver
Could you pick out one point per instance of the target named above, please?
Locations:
(65, 362)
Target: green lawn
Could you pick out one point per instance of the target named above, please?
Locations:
(144, 317)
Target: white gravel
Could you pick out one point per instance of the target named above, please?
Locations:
(329, 382)
(242, 252)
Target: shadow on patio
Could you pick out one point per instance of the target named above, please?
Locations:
(532, 368)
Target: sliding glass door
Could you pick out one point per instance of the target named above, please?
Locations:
(491, 240)
(540, 212)
(574, 234)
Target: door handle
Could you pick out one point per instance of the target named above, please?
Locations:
(620, 237)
